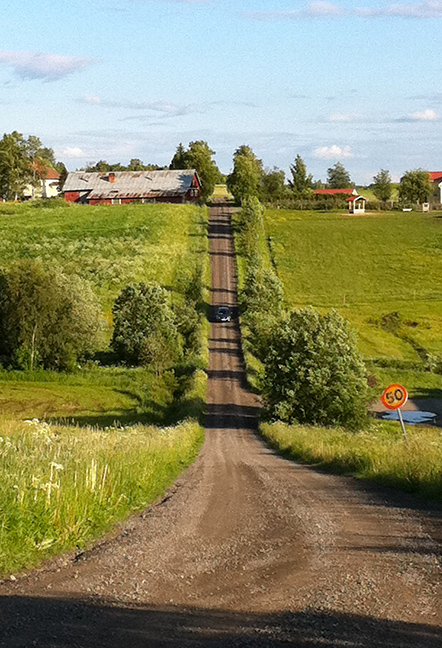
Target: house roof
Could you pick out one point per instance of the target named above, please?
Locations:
(334, 192)
(131, 184)
(51, 174)
(353, 198)
(435, 176)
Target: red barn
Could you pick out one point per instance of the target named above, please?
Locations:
(120, 187)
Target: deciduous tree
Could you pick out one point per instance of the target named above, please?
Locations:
(338, 177)
(313, 371)
(382, 188)
(415, 187)
(144, 328)
(272, 186)
(244, 181)
(46, 318)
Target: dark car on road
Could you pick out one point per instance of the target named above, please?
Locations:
(223, 314)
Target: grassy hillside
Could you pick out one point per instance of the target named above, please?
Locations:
(368, 267)
(110, 246)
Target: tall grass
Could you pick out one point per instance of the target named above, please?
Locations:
(379, 454)
(63, 487)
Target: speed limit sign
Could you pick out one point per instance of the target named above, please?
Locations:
(394, 396)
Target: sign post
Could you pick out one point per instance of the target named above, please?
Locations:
(393, 397)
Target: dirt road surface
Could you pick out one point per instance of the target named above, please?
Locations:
(247, 549)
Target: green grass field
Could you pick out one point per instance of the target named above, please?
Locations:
(111, 246)
(366, 267)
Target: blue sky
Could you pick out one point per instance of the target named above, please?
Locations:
(358, 82)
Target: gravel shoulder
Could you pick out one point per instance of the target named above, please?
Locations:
(247, 549)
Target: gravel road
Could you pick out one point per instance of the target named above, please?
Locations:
(247, 549)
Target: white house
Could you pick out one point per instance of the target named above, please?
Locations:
(47, 188)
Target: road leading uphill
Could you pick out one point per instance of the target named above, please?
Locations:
(247, 549)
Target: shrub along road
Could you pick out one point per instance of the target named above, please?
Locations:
(248, 549)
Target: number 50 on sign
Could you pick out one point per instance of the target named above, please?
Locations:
(394, 396)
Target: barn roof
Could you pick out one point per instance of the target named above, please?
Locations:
(435, 176)
(130, 184)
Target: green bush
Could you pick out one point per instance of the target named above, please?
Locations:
(313, 372)
(47, 319)
(144, 327)
(251, 225)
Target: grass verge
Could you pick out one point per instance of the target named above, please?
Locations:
(63, 487)
(379, 454)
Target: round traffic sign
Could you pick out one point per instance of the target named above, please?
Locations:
(394, 396)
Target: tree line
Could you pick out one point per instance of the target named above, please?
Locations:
(250, 178)
(25, 161)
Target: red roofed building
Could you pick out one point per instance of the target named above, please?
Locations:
(436, 181)
(336, 192)
(120, 187)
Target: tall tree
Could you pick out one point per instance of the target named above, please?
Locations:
(179, 160)
(63, 175)
(199, 157)
(244, 181)
(415, 187)
(301, 182)
(382, 188)
(272, 185)
(15, 170)
(338, 177)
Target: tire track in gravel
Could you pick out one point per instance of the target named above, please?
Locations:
(248, 549)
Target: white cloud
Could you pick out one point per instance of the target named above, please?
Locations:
(322, 9)
(72, 152)
(92, 99)
(425, 9)
(425, 115)
(48, 67)
(318, 9)
(334, 152)
(342, 117)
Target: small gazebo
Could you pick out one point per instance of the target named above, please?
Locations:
(356, 204)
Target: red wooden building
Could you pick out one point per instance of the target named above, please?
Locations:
(120, 187)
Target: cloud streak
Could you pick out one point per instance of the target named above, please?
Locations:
(320, 9)
(165, 108)
(45, 67)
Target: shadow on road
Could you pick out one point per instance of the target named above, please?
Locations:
(231, 417)
(57, 623)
